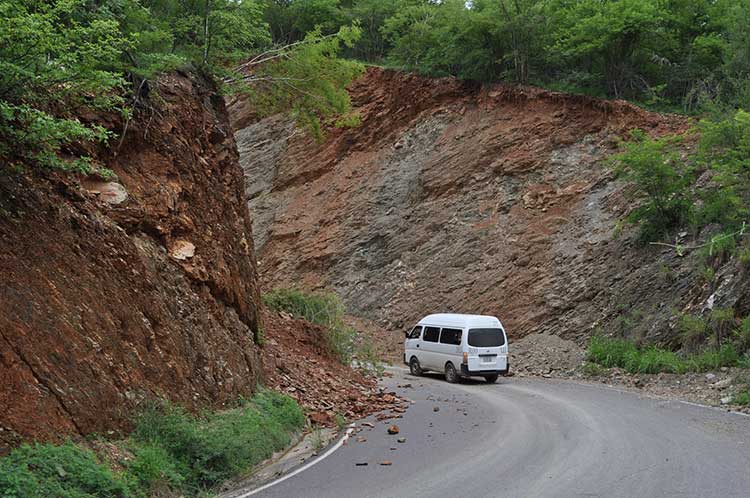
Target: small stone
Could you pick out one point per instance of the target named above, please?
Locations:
(436, 409)
(722, 384)
(724, 369)
(710, 377)
(726, 400)
(182, 250)
(401, 440)
(393, 429)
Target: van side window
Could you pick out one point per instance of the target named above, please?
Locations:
(450, 336)
(414, 334)
(431, 334)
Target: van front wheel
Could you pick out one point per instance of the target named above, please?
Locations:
(492, 378)
(450, 373)
(414, 367)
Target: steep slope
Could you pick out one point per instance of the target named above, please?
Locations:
(114, 292)
(455, 197)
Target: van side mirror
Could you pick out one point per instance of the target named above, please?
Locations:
(406, 333)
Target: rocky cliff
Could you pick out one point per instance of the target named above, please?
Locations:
(145, 285)
(452, 196)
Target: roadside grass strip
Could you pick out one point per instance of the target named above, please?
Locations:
(170, 452)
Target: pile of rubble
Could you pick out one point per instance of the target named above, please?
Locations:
(297, 362)
(545, 355)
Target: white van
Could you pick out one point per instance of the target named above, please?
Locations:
(458, 345)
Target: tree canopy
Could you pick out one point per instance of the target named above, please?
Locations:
(60, 58)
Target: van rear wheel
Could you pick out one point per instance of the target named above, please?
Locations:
(414, 367)
(492, 378)
(450, 373)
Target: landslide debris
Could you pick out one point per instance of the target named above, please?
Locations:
(297, 362)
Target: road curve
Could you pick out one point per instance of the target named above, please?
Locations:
(536, 438)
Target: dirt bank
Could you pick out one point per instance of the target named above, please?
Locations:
(451, 196)
(114, 292)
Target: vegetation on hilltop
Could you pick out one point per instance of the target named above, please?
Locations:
(62, 59)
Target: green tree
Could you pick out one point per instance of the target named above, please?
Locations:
(291, 20)
(611, 41)
(57, 58)
(306, 77)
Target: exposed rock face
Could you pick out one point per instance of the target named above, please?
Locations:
(456, 197)
(113, 292)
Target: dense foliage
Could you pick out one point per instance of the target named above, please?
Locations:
(64, 59)
(171, 453)
(664, 52)
(665, 177)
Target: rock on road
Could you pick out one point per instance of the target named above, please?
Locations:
(535, 438)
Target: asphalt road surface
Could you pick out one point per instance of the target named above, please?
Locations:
(535, 438)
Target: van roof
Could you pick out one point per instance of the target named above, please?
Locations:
(461, 321)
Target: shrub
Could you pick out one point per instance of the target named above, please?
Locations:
(721, 320)
(321, 308)
(662, 180)
(693, 331)
(744, 257)
(742, 398)
(707, 274)
(207, 451)
(64, 471)
(719, 248)
(654, 360)
(173, 451)
(725, 356)
(609, 352)
(742, 335)
(153, 470)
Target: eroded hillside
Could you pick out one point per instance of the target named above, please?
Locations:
(455, 197)
(143, 286)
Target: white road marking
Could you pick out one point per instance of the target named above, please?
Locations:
(304, 467)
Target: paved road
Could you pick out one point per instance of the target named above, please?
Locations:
(536, 438)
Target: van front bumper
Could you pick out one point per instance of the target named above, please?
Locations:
(468, 373)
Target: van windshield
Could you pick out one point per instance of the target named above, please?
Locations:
(486, 338)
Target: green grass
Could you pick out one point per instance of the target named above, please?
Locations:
(173, 453)
(610, 352)
(208, 451)
(64, 471)
(320, 308)
(742, 398)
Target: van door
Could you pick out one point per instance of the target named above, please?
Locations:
(410, 344)
(485, 348)
(429, 349)
(449, 348)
